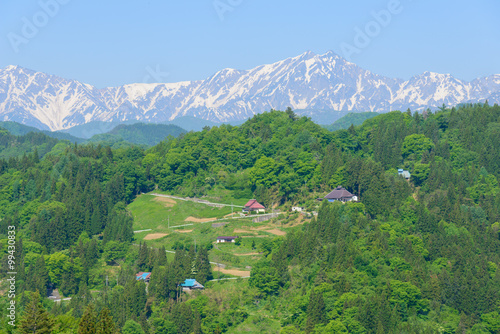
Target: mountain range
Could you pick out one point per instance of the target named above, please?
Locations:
(323, 87)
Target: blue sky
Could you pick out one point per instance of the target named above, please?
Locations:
(111, 43)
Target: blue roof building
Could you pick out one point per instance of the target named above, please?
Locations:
(404, 173)
(191, 284)
(143, 276)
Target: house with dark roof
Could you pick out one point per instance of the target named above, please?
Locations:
(342, 195)
(253, 205)
(226, 239)
(143, 277)
(191, 284)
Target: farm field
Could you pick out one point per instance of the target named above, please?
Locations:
(191, 223)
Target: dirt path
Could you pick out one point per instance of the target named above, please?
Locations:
(154, 236)
(235, 272)
(167, 202)
(184, 231)
(246, 254)
(199, 220)
(260, 228)
(276, 232)
(196, 200)
(238, 230)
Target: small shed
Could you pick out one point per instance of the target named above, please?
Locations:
(226, 239)
(191, 284)
(253, 205)
(141, 276)
(297, 208)
(404, 173)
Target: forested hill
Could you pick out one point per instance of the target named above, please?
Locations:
(416, 256)
(121, 135)
(21, 130)
(138, 134)
(32, 142)
(352, 118)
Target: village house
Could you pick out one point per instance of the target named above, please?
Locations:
(342, 195)
(404, 173)
(143, 277)
(191, 284)
(253, 205)
(226, 239)
(297, 208)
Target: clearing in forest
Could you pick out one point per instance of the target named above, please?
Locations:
(154, 236)
(168, 202)
(276, 232)
(199, 220)
(239, 230)
(234, 272)
(260, 228)
(184, 231)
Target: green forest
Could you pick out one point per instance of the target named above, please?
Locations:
(411, 256)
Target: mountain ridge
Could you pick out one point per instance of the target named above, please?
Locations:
(309, 82)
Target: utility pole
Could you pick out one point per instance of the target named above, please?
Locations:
(232, 216)
(106, 280)
(168, 221)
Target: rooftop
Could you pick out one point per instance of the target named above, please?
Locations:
(142, 276)
(339, 193)
(253, 204)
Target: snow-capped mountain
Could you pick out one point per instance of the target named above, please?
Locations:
(309, 83)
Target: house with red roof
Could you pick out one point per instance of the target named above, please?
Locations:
(253, 205)
(143, 277)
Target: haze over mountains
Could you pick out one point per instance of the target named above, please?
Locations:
(314, 85)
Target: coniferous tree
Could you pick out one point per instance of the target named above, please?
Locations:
(88, 322)
(197, 323)
(105, 324)
(143, 258)
(162, 257)
(315, 311)
(35, 320)
(203, 268)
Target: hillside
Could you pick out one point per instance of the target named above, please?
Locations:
(138, 134)
(350, 119)
(18, 129)
(32, 144)
(412, 256)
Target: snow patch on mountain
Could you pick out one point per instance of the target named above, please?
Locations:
(309, 82)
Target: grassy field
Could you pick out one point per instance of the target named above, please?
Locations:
(152, 212)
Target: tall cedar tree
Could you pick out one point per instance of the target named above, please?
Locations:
(35, 320)
(315, 311)
(105, 324)
(88, 322)
(143, 258)
(203, 268)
